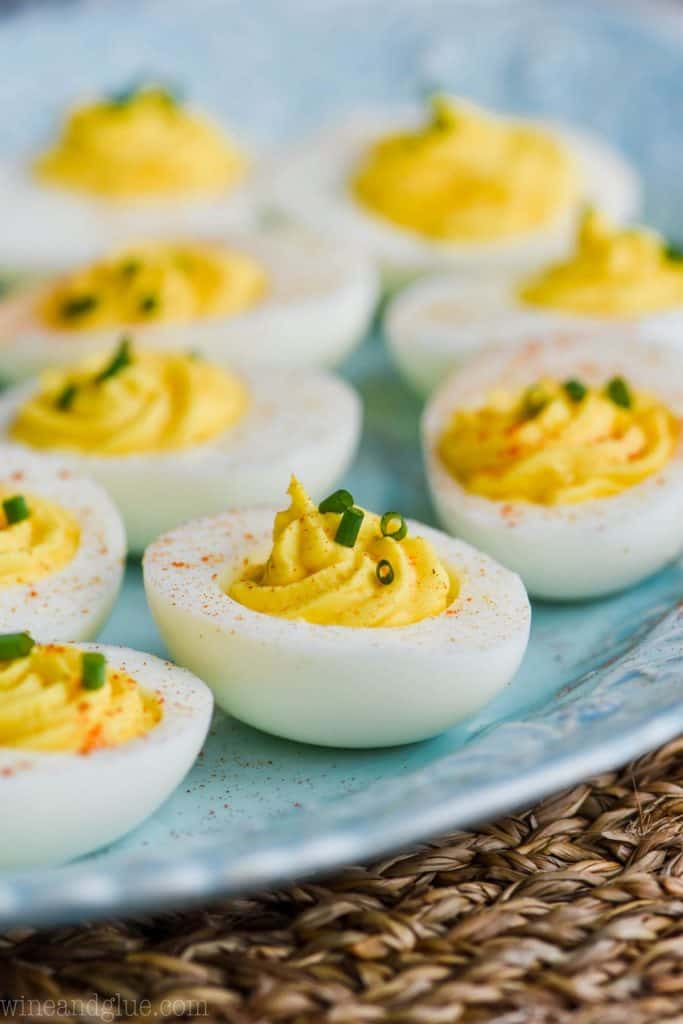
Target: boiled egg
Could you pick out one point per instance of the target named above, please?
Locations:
(278, 300)
(627, 278)
(563, 460)
(139, 162)
(170, 435)
(92, 740)
(315, 622)
(62, 549)
(455, 186)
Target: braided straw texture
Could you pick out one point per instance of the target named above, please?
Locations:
(571, 911)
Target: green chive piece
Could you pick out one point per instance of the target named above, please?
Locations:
(339, 501)
(78, 306)
(16, 509)
(129, 268)
(148, 303)
(349, 526)
(575, 389)
(122, 97)
(94, 669)
(535, 400)
(674, 251)
(122, 358)
(15, 645)
(396, 532)
(619, 392)
(385, 572)
(65, 398)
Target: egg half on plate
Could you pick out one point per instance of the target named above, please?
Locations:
(275, 300)
(564, 461)
(452, 186)
(92, 740)
(138, 162)
(62, 549)
(170, 435)
(627, 278)
(331, 625)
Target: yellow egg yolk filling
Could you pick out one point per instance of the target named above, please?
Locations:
(41, 544)
(309, 575)
(467, 176)
(552, 445)
(612, 272)
(138, 145)
(154, 402)
(155, 284)
(45, 707)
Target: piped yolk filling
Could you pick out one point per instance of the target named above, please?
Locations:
(44, 706)
(155, 284)
(41, 544)
(141, 144)
(467, 176)
(612, 272)
(309, 575)
(542, 445)
(154, 402)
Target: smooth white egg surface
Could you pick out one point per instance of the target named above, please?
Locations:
(584, 548)
(435, 325)
(317, 303)
(57, 806)
(73, 600)
(306, 422)
(334, 685)
(312, 188)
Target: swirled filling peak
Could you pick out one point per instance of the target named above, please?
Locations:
(612, 272)
(345, 568)
(131, 402)
(50, 702)
(467, 175)
(559, 443)
(141, 142)
(39, 542)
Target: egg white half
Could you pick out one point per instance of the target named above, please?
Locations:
(46, 228)
(333, 685)
(312, 187)
(74, 602)
(303, 422)
(59, 806)
(317, 307)
(582, 550)
(435, 325)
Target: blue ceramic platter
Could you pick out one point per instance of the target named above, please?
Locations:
(602, 682)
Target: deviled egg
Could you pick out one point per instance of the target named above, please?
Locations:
(62, 549)
(139, 161)
(462, 188)
(564, 461)
(262, 300)
(332, 625)
(92, 740)
(626, 277)
(171, 436)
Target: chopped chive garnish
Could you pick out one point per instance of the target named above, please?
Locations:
(673, 251)
(65, 398)
(16, 509)
(575, 390)
(349, 526)
(122, 358)
(94, 670)
(15, 645)
(535, 401)
(385, 572)
(129, 268)
(148, 303)
(393, 525)
(339, 501)
(194, 354)
(619, 392)
(79, 305)
(122, 97)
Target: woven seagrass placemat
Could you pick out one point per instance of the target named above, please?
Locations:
(570, 911)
